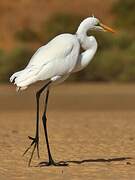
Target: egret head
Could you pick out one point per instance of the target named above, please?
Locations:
(92, 23)
(95, 24)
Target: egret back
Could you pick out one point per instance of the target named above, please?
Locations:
(57, 58)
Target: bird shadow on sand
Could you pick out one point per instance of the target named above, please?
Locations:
(100, 160)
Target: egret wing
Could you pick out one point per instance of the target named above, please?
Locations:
(58, 48)
(57, 58)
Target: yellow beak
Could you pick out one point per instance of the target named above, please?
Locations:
(106, 28)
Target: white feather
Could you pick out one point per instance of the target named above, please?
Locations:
(54, 59)
(59, 58)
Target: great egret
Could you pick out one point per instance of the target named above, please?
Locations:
(53, 63)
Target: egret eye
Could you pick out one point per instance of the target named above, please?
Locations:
(98, 24)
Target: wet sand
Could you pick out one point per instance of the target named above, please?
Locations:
(91, 125)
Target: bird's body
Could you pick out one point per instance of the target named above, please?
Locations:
(54, 62)
(58, 59)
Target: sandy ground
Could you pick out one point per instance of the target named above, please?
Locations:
(89, 123)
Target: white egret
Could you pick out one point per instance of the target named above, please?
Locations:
(53, 63)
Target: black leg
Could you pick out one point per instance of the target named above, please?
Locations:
(35, 141)
(44, 119)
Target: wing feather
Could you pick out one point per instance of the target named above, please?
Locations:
(57, 58)
(58, 48)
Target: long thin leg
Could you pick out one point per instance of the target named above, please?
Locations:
(35, 141)
(45, 128)
(44, 119)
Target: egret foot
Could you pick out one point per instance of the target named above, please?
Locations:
(52, 163)
(35, 144)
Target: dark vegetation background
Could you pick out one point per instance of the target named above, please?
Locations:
(19, 39)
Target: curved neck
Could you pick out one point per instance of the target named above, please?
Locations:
(84, 27)
(82, 34)
(82, 31)
(85, 58)
(88, 43)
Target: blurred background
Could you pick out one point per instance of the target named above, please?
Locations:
(26, 25)
(86, 120)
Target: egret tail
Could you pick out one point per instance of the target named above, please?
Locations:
(24, 78)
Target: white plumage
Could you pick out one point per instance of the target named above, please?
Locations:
(56, 59)
(61, 56)
(54, 62)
